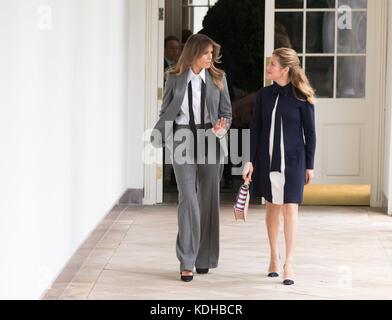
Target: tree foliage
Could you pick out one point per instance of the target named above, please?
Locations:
(238, 26)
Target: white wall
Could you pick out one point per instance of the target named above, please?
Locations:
(388, 120)
(63, 132)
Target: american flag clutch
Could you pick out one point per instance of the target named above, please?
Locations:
(242, 203)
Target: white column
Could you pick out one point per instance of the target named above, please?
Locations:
(388, 118)
(269, 32)
(137, 92)
(152, 63)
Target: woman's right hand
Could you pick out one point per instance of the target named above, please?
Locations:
(247, 172)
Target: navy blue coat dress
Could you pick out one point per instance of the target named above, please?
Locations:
(281, 157)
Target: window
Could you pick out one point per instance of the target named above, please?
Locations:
(330, 37)
(194, 12)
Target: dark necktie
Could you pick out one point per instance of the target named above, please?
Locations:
(276, 155)
(203, 103)
(192, 123)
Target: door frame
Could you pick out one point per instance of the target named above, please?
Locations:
(379, 87)
(155, 27)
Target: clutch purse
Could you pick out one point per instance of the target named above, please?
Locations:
(242, 202)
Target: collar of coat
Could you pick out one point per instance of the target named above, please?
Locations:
(283, 90)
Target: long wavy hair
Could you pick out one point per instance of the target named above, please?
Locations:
(289, 58)
(194, 48)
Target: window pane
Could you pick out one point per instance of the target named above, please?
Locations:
(198, 2)
(352, 33)
(301, 59)
(289, 4)
(289, 30)
(351, 77)
(321, 3)
(212, 2)
(320, 73)
(354, 4)
(320, 32)
(198, 16)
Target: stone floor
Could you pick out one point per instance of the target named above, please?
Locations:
(342, 253)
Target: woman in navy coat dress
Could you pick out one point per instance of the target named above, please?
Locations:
(283, 143)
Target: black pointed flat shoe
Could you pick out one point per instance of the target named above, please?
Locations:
(288, 282)
(273, 274)
(186, 278)
(202, 271)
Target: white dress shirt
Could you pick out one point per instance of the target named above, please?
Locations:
(183, 117)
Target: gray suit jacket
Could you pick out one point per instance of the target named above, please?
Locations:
(218, 103)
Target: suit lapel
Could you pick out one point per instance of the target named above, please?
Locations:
(182, 84)
(180, 88)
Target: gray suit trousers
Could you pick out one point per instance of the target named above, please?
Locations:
(198, 205)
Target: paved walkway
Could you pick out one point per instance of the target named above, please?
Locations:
(342, 253)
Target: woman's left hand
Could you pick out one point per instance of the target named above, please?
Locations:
(309, 176)
(220, 127)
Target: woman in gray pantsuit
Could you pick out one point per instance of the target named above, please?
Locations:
(196, 106)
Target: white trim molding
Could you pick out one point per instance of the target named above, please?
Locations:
(388, 120)
(380, 41)
(153, 191)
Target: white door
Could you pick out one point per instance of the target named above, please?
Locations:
(341, 46)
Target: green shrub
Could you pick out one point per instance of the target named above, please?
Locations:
(238, 25)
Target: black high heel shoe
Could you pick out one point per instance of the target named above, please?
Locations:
(202, 271)
(186, 278)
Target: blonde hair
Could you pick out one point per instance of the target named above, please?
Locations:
(289, 58)
(193, 49)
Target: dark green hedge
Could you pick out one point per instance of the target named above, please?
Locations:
(238, 25)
